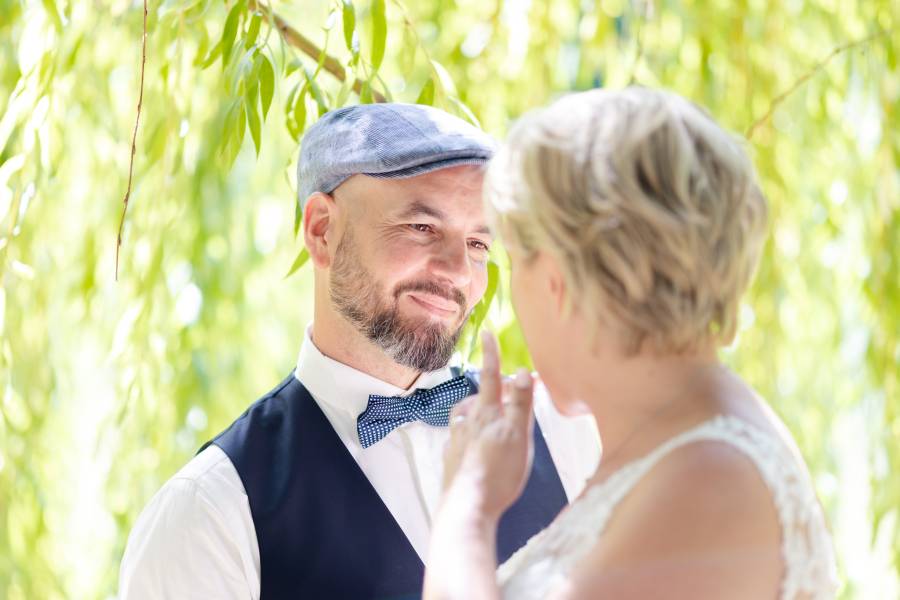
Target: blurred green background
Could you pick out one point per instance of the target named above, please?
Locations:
(108, 386)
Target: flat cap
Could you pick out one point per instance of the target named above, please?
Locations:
(386, 140)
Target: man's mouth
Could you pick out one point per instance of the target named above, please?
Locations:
(435, 304)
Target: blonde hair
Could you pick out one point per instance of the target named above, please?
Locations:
(650, 208)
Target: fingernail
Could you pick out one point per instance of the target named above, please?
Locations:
(523, 378)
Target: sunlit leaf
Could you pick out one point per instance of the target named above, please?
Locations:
(253, 29)
(298, 262)
(210, 58)
(253, 123)
(379, 33)
(316, 91)
(229, 32)
(365, 93)
(349, 18)
(426, 96)
(53, 13)
(266, 84)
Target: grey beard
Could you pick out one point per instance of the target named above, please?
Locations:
(422, 345)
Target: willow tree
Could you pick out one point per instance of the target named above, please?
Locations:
(117, 361)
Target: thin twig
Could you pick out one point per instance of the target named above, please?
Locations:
(808, 75)
(305, 45)
(137, 120)
(639, 39)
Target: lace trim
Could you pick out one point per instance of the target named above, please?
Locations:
(810, 572)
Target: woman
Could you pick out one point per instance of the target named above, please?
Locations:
(633, 225)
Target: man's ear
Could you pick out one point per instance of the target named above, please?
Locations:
(319, 221)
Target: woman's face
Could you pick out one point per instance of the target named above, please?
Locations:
(536, 291)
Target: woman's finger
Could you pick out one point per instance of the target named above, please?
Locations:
(519, 407)
(463, 407)
(490, 387)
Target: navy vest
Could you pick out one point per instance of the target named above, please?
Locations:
(322, 529)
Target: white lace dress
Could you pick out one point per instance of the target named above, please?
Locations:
(543, 565)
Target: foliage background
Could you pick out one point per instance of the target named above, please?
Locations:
(109, 386)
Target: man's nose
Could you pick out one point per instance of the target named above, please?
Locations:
(452, 263)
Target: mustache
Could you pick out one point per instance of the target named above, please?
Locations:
(430, 287)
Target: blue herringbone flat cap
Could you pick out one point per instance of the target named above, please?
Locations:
(385, 140)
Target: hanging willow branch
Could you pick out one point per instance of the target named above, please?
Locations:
(305, 45)
(641, 20)
(137, 120)
(806, 76)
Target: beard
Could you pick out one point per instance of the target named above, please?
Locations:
(418, 343)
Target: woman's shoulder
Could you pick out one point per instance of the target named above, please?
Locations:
(710, 513)
(699, 522)
(708, 488)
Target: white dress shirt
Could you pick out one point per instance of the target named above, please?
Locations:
(196, 538)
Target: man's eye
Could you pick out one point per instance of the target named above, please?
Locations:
(421, 227)
(479, 245)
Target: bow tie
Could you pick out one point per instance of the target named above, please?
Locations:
(385, 413)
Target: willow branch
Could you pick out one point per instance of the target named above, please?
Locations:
(641, 21)
(305, 45)
(137, 120)
(808, 75)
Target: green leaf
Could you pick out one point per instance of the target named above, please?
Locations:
(215, 53)
(443, 81)
(292, 66)
(481, 309)
(479, 313)
(300, 109)
(298, 217)
(317, 94)
(202, 47)
(344, 92)
(233, 133)
(289, 104)
(230, 30)
(50, 9)
(349, 15)
(379, 33)
(298, 262)
(266, 84)
(296, 120)
(246, 81)
(365, 93)
(253, 30)
(254, 124)
(426, 96)
(465, 111)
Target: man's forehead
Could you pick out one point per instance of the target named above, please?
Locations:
(441, 209)
(447, 195)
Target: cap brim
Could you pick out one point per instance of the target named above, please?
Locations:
(429, 167)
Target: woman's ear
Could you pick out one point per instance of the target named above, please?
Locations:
(556, 283)
(319, 220)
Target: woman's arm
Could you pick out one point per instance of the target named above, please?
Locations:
(486, 464)
(462, 561)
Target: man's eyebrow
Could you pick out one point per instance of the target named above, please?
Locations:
(418, 208)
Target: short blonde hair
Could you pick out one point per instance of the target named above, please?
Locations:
(651, 209)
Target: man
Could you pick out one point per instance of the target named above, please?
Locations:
(325, 487)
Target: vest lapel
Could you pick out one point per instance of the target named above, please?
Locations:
(321, 527)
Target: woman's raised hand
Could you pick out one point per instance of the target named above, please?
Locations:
(489, 452)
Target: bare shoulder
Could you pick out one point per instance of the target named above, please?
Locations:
(700, 524)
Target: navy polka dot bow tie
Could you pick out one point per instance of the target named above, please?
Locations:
(386, 413)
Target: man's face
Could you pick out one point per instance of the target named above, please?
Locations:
(412, 261)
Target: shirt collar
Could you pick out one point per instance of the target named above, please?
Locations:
(348, 389)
